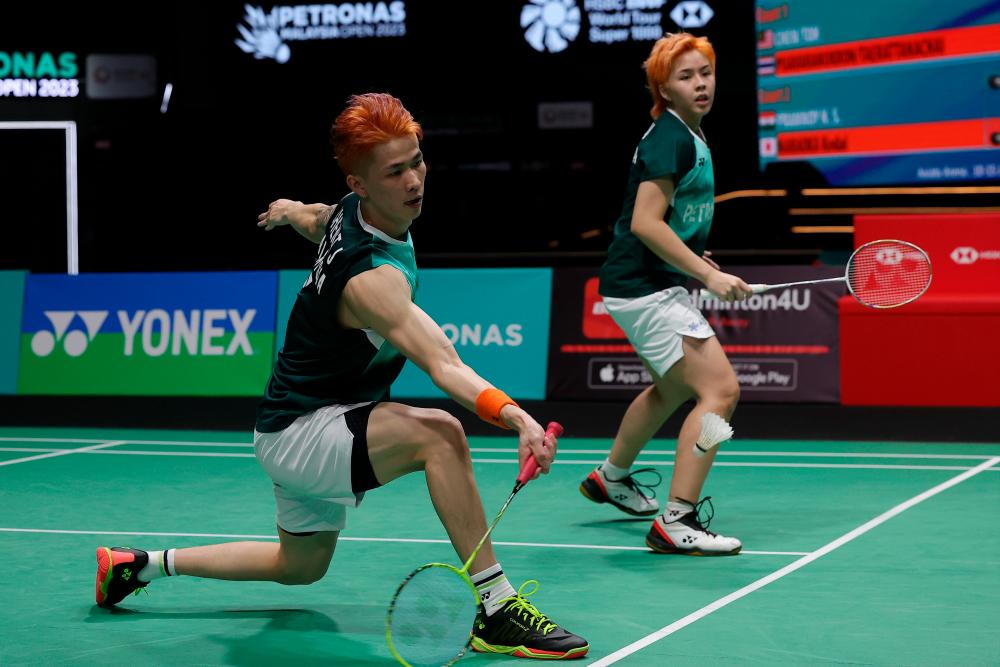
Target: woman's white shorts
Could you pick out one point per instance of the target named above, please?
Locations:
(656, 323)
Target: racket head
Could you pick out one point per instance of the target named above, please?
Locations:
(888, 273)
(430, 618)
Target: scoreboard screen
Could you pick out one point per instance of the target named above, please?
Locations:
(866, 93)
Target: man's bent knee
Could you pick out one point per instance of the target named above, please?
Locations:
(447, 435)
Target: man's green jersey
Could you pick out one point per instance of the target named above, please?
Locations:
(322, 363)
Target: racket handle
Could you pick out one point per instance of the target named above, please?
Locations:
(531, 465)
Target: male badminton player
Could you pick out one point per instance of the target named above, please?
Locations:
(325, 432)
(659, 241)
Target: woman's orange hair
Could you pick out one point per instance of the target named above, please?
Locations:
(661, 59)
(369, 120)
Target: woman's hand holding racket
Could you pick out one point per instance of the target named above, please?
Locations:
(886, 273)
(726, 286)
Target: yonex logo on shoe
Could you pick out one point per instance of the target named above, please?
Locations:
(126, 574)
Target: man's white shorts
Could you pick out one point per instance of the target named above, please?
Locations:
(656, 323)
(319, 465)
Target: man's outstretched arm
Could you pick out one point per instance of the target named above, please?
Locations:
(380, 299)
(309, 220)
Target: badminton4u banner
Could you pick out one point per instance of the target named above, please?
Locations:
(177, 334)
(783, 345)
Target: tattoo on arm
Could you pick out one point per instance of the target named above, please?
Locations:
(323, 219)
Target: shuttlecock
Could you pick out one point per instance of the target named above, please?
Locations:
(714, 429)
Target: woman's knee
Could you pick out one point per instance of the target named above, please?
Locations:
(729, 393)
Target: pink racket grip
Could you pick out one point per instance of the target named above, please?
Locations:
(531, 465)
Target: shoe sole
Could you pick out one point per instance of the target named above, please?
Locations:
(480, 646)
(593, 497)
(104, 572)
(671, 549)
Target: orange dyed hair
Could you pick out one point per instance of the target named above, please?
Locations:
(369, 120)
(661, 60)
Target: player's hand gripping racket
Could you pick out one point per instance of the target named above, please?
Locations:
(880, 274)
(430, 617)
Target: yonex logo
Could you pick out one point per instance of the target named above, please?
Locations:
(692, 14)
(550, 25)
(157, 331)
(75, 342)
(888, 256)
(964, 255)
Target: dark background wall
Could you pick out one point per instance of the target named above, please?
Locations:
(181, 190)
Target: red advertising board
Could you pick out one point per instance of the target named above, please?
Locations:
(783, 345)
(940, 349)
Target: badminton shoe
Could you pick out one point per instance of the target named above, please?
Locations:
(520, 630)
(118, 574)
(627, 494)
(683, 532)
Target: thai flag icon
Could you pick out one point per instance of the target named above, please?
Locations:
(768, 118)
(765, 65)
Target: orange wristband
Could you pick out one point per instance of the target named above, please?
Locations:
(489, 403)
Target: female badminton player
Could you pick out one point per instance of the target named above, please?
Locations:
(659, 241)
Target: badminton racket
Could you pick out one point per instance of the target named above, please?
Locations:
(431, 615)
(880, 274)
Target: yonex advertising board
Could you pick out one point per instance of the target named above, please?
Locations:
(498, 321)
(176, 334)
(11, 297)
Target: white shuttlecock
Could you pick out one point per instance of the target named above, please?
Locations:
(714, 429)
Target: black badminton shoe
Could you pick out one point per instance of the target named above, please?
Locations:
(520, 630)
(118, 574)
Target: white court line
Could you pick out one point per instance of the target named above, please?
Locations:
(788, 569)
(63, 452)
(177, 443)
(228, 536)
(640, 462)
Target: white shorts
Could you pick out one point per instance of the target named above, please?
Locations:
(656, 323)
(319, 465)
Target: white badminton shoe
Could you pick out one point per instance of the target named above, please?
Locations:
(681, 531)
(626, 493)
